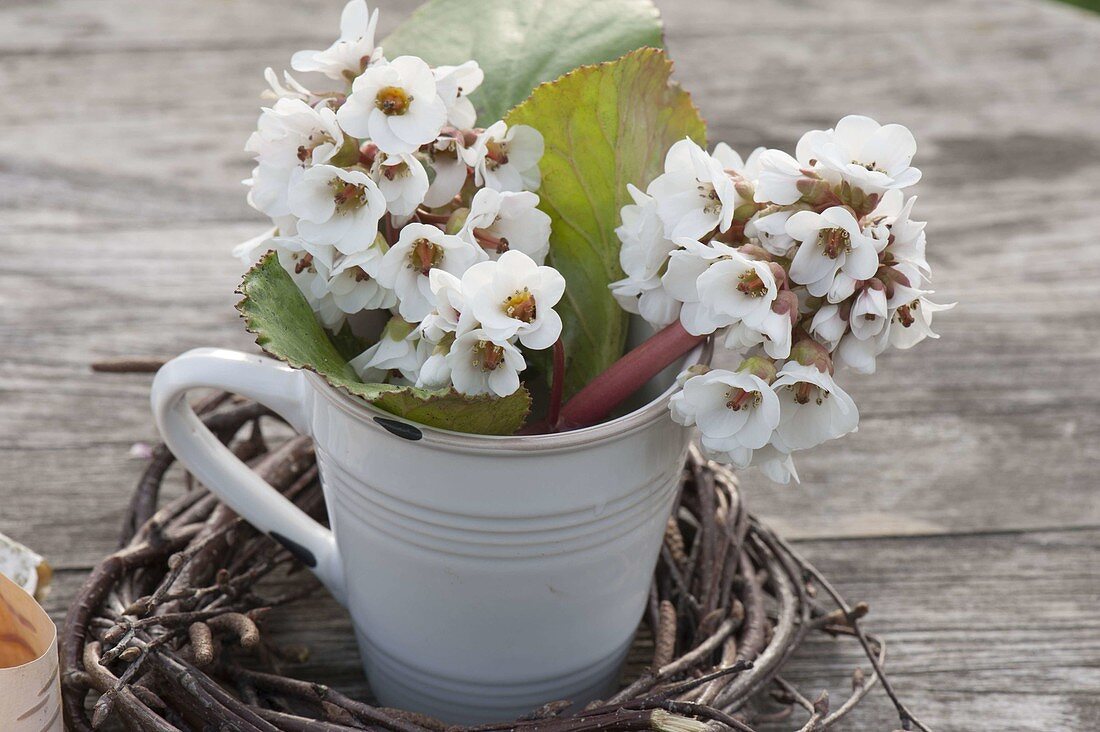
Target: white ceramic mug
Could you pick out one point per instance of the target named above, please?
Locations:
(485, 576)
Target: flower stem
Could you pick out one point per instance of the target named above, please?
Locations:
(624, 377)
(557, 385)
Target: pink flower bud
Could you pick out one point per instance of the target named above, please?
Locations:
(759, 366)
(809, 352)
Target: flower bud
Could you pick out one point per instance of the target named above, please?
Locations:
(786, 303)
(780, 275)
(759, 366)
(457, 220)
(809, 352)
(745, 189)
(694, 370)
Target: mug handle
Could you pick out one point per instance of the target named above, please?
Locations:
(275, 385)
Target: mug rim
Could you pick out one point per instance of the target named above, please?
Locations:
(436, 437)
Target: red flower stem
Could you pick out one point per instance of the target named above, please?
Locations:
(624, 377)
(557, 385)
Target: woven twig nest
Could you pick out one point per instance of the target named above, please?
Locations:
(166, 633)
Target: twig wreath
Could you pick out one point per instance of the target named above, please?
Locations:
(167, 633)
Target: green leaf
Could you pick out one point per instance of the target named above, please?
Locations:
(522, 44)
(285, 327)
(605, 126)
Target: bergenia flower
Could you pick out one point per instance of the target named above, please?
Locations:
(481, 365)
(733, 409)
(645, 249)
(813, 408)
(778, 179)
(506, 158)
(860, 355)
(396, 105)
(859, 151)
(515, 297)
(450, 171)
(911, 322)
(351, 53)
(501, 221)
(337, 207)
(448, 306)
(405, 268)
(395, 351)
(830, 242)
(869, 313)
(290, 137)
(694, 195)
(402, 180)
(455, 84)
(647, 298)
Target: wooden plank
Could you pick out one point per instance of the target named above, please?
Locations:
(985, 632)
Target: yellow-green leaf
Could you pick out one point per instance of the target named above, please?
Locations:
(605, 126)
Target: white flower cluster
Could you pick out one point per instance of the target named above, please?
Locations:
(384, 196)
(800, 263)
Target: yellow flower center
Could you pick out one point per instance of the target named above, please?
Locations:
(393, 100)
(520, 305)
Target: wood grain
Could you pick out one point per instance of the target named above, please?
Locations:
(964, 510)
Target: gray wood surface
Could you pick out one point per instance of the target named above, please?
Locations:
(966, 510)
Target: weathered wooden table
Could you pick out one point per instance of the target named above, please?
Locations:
(966, 510)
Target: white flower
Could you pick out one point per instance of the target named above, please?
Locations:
(904, 238)
(645, 248)
(871, 157)
(860, 355)
(506, 158)
(719, 286)
(695, 194)
(353, 291)
(911, 322)
(449, 304)
(514, 296)
(420, 248)
(337, 207)
(869, 314)
(748, 168)
(813, 409)
(481, 365)
(828, 326)
(778, 178)
(770, 228)
(349, 55)
(289, 137)
(249, 251)
(402, 180)
(435, 372)
(831, 242)
(776, 465)
(450, 171)
(395, 351)
(508, 221)
(396, 105)
(732, 409)
(292, 90)
(647, 298)
(455, 84)
(773, 331)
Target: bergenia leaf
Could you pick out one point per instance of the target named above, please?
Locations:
(605, 126)
(520, 44)
(286, 328)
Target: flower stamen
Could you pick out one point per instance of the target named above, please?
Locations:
(425, 255)
(521, 305)
(488, 356)
(393, 101)
(835, 242)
